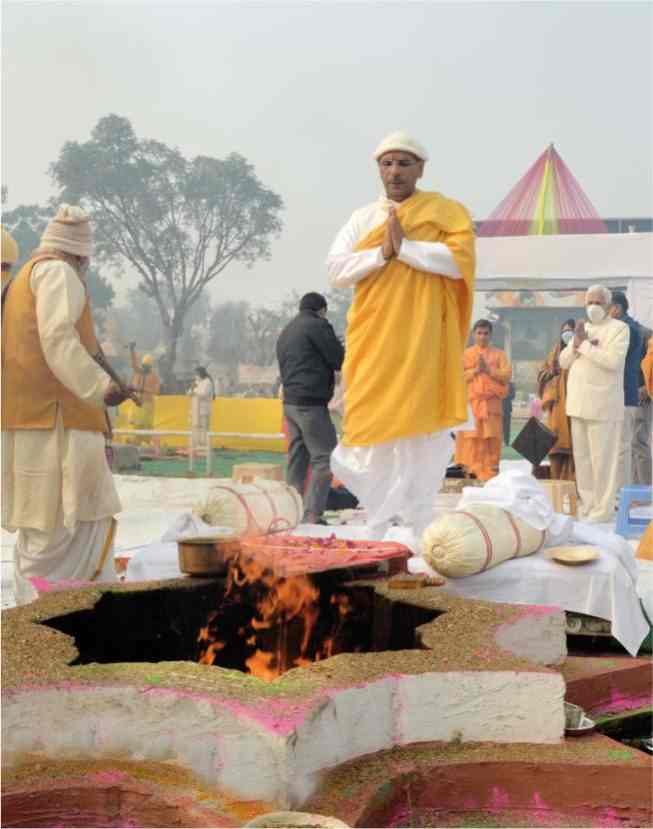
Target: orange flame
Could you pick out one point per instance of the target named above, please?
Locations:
(282, 629)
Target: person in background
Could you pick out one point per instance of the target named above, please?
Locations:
(647, 375)
(487, 374)
(57, 489)
(10, 255)
(595, 360)
(552, 390)
(309, 355)
(147, 384)
(643, 425)
(506, 409)
(203, 393)
(410, 256)
(619, 311)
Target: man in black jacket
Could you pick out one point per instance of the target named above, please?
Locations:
(309, 354)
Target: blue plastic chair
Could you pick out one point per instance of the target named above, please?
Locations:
(627, 525)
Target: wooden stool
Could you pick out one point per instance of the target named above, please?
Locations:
(245, 473)
(558, 491)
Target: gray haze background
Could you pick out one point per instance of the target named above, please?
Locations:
(305, 91)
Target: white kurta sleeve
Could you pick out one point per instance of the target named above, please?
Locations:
(60, 300)
(346, 266)
(610, 355)
(431, 257)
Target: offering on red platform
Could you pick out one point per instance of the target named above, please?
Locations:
(291, 555)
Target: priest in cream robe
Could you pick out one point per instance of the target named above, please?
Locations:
(410, 258)
(57, 489)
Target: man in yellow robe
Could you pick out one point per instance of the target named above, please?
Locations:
(410, 257)
(487, 374)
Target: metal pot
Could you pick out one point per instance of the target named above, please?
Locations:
(207, 556)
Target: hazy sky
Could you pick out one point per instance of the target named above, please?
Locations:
(306, 90)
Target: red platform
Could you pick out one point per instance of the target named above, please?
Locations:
(290, 555)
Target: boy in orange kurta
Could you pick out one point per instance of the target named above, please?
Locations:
(487, 374)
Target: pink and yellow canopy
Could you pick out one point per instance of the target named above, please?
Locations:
(547, 200)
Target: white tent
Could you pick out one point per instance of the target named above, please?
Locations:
(550, 263)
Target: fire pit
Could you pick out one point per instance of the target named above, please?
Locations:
(113, 673)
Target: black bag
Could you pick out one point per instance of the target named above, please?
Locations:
(535, 441)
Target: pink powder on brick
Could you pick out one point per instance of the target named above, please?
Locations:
(536, 610)
(47, 586)
(619, 702)
(108, 778)
(499, 800)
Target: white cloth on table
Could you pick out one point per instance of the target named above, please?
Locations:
(188, 525)
(604, 588)
(519, 493)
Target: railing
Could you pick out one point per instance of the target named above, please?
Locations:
(191, 434)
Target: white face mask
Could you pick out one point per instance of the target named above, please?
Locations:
(567, 337)
(595, 313)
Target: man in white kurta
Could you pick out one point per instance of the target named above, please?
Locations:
(595, 360)
(203, 393)
(58, 491)
(396, 478)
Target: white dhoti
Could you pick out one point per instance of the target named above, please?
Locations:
(397, 479)
(59, 495)
(596, 457)
(84, 553)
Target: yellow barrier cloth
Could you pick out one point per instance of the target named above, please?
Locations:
(256, 415)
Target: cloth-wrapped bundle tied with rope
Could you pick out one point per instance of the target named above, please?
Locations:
(255, 508)
(469, 541)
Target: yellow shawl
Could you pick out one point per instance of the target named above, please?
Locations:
(406, 332)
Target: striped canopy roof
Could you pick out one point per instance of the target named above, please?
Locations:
(547, 200)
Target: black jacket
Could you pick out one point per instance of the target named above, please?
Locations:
(309, 353)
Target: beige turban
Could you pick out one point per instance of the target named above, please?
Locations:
(69, 231)
(402, 142)
(10, 252)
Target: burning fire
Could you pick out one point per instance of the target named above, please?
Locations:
(268, 624)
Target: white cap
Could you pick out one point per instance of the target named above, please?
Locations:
(400, 141)
(69, 231)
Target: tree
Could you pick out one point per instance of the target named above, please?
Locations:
(264, 326)
(26, 224)
(178, 222)
(339, 302)
(228, 336)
